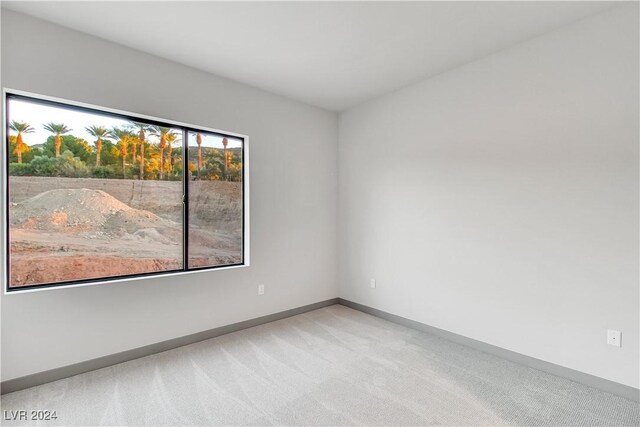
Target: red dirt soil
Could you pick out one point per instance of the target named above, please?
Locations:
(48, 269)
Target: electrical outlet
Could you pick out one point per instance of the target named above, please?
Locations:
(614, 338)
(373, 283)
(260, 289)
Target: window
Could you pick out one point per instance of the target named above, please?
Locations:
(94, 195)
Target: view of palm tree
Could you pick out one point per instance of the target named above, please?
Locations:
(21, 128)
(163, 133)
(100, 133)
(58, 129)
(141, 128)
(199, 142)
(225, 142)
(123, 138)
(172, 138)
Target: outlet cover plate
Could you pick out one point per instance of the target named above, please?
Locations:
(614, 338)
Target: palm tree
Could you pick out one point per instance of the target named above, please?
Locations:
(57, 129)
(141, 128)
(162, 133)
(20, 127)
(199, 141)
(134, 150)
(171, 138)
(99, 133)
(226, 161)
(124, 136)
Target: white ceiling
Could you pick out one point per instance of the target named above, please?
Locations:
(330, 54)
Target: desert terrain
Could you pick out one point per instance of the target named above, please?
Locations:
(64, 229)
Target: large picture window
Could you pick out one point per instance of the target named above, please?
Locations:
(94, 195)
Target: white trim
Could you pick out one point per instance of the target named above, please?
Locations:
(159, 274)
(246, 247)
(4, 269)
(4, 175)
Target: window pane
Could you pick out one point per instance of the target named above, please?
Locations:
(91, 195)
(215, 200)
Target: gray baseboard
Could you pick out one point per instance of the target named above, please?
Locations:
(44, 377)
(113, 359)
(618, 389)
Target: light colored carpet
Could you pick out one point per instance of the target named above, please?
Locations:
(333, 366)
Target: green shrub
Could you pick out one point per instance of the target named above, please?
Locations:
(44, 166)
(20, 169)
(71, 167)
(64, 166)
(105, 172)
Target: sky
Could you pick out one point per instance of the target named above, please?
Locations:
(37, 114)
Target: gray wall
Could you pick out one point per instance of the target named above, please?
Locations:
(293, 206)
(500, 200)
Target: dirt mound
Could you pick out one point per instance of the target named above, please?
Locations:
(82, 210)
